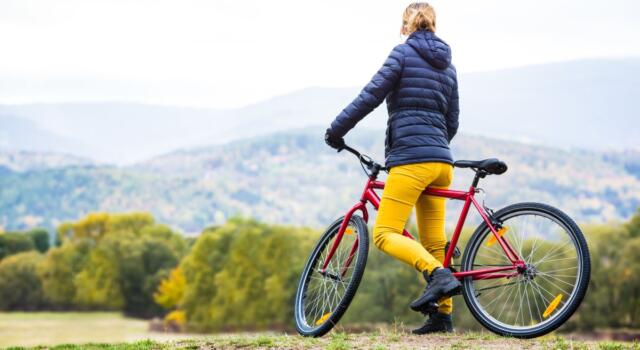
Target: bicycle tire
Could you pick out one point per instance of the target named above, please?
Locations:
(583, 273)
(302, 325)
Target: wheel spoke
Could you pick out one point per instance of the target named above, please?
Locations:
(526, 293)
(506, 302)
(563, 269)
(543, 259)
(555, 285)
(535, 299)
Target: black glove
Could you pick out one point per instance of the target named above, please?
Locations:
(332, 141)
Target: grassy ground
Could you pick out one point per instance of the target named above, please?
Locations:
(112, 331)
(343, 341)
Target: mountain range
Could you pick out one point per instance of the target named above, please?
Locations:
(587, 104)
(569, 132)
(294, 178)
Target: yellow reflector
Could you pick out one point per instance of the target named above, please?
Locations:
(348, 231)
(323, 319)
(552, 306)
(492, 240)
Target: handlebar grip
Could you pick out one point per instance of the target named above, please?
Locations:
(351, 150)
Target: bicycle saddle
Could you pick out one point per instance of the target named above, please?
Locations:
(490, 166)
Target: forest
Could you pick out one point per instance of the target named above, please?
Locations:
(242, 275)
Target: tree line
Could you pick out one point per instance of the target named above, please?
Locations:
(243, 275)
(102, 262)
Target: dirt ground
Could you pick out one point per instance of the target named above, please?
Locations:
(397, 340)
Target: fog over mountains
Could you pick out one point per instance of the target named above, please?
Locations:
(587, 104)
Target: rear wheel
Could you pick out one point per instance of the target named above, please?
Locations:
(542, 296)
(324, 296)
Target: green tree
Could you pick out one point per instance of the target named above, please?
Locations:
(102, 261)
(64, 233)
(604, 296)
(97, 283)
(629, 289)
(40, 238)
(96, 225)
(58, 270)
(143, 266)
(243, 274)
(92, 226)
(135, 223)
(634, 225)
(200, 266)
(20, 287)
(127, 264)
(13, 243)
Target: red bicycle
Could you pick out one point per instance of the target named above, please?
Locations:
(525, 269)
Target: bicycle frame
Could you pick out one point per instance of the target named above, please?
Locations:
(370, 196)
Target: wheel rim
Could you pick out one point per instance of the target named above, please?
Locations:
(541, 293)
(322, 293)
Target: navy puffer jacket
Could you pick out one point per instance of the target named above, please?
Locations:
(421, 88)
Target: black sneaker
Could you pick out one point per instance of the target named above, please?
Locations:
(440, 284)
(436, 323)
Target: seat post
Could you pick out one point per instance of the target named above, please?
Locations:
(480, 174)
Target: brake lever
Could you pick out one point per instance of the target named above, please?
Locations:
(366, 160)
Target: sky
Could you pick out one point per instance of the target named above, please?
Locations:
(226, 53)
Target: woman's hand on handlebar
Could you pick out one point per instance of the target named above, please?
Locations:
(333, 141)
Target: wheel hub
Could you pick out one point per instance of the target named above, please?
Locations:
(330, 275)
(529, 272)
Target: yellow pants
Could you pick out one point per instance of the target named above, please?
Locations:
(403, 191)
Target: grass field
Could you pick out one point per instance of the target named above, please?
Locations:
(74, 331)
(51, 328)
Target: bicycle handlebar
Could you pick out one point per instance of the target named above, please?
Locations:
(354, 152)
(366, 160)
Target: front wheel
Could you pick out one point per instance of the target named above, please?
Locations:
(539, 298)
(324, 295)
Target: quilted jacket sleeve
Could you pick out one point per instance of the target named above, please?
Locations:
(372, 95)
(454, 111)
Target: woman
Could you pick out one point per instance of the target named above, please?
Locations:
(421, 89)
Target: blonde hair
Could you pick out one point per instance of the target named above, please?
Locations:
(418, 16)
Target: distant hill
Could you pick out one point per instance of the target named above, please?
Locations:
(589, 104)
(292, 177)
(116, 132)
(21, 161)
(19, 133)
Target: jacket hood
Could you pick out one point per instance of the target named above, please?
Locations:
(433, 49)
